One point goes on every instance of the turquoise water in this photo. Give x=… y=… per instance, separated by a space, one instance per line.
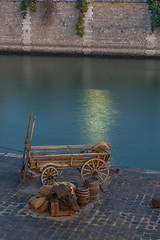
x=83 y=100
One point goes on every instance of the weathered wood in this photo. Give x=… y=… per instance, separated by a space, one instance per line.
x=55 y=212
x=29 y=146
x=63 y=156
x=56 y=151
x=30 y=140
x=61 y=146
x=26 y=143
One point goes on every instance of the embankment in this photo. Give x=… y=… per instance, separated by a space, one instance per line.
x=111 y=27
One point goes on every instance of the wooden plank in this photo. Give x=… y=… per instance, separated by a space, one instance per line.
x=80 y=155
x=26 y=143
x=61 y=146
x=60 y=159
x=58 y=163
x=29 y=146
x=59 y=150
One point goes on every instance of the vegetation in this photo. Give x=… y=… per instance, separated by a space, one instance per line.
x=79 y=26
x=154 y=6
x=82 y=5
x=31 y=4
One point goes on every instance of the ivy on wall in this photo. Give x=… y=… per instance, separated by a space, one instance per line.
x=31 y=4
x=82 y=6
x=154 y=6
x=79 y=26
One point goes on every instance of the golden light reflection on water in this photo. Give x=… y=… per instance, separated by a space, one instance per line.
x=97 y=113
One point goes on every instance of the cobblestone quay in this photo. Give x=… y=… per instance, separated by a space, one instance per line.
x=122 y=212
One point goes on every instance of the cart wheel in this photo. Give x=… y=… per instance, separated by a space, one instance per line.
x=95 y=168
x=49 y=175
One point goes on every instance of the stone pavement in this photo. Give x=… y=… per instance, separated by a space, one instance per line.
x=121 y=213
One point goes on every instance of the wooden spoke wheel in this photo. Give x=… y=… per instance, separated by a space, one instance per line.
x=49 y=175
x=97 y=168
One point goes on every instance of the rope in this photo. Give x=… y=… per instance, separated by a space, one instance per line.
x=1 y=147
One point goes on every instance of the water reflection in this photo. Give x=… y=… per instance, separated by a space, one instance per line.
x=27 y=68
x=151 y=74
x=87 y=77
x=97 y=115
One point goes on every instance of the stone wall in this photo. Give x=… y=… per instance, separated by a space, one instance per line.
x=111 y=27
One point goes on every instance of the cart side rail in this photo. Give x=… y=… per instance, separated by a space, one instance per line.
x=62 y=146
x=62 y=149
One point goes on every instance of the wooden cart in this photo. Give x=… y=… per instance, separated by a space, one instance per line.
x=48 y=161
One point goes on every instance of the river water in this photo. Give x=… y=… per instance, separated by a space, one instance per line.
x=83 y=100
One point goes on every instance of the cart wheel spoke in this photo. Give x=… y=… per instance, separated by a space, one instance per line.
x=84 y=174
x=105 y=174
x=93 y=164
x=49 y=175
x=54 y=175
x=86 y=169
x=97 y=164
x=47 y=170
x=100 y=177
x=45 y=182
x=45 y=174
x=90 y=167
x=103 y=164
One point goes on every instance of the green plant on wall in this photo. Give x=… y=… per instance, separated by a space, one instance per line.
x=154 y=6
x=79 y=26
x=82 y=5
x=31 y=4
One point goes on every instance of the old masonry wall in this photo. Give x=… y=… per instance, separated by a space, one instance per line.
x=111 y=27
